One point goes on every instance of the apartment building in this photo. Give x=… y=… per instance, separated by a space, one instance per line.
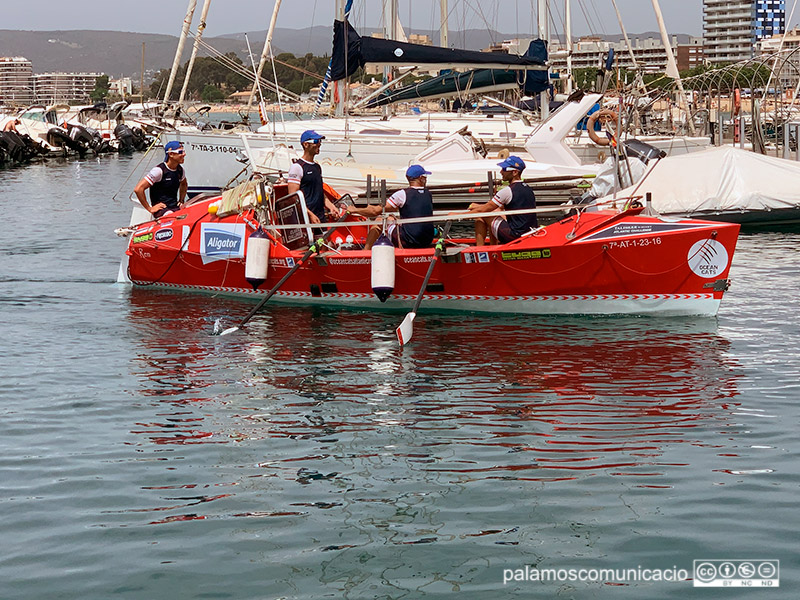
x=731 y=28
x=16 y=83
x=789 y=46
x=650 y=54
x=52 y=88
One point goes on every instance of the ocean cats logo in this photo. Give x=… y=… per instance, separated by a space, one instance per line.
x=707 y=258
x=221 y=241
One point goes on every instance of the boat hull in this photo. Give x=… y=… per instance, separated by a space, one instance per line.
x=602 y=263
x=663 y=305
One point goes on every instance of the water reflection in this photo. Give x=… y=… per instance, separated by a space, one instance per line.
x=334 y=444
x=481 y=397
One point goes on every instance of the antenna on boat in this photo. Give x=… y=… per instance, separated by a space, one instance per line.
x=382 y=196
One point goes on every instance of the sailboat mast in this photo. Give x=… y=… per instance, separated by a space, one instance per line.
x=568 y=43
x=141 y=80
x=265 y=52
x=389 y=33
x=672 y=67
x=443 y=28
x=544 y=34
x=187 y=21
x=341 y=85
x=200 y=28
x=625 y=35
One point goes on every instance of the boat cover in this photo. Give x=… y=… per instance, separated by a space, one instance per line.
x=721 y=179
x=363 y=50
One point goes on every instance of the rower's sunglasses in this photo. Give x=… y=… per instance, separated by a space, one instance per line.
x=181 y=151
x=317 y=142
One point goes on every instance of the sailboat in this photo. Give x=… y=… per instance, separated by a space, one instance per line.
x=388 y=144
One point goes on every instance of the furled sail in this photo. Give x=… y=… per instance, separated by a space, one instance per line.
x=472 y=82
x=351 y=51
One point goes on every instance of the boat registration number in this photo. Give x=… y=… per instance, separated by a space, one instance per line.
x=636 y=243
x=212 y=148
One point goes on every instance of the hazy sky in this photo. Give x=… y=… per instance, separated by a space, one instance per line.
x=233 y=16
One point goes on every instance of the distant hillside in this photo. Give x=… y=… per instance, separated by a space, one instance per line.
x=119 y=53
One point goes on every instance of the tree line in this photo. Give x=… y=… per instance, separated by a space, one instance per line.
x=212 y=81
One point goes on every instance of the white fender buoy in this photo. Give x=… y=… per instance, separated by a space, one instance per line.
x=256 y=262
x=383 y=268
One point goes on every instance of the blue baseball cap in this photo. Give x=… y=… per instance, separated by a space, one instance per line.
x=172 y=146
x=512 y=162
x=310 y=136
x=416 y=171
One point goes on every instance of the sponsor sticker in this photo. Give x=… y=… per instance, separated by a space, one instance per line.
x=143 y=237
x=526 y=254
x=290 y=262
x=162 y=235
x=469 y=257
x=221 y=241
x=483 y=257
x=707 y=258
x=629 y=229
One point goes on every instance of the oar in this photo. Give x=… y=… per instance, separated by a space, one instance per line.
x=315 y=247
x=406 y=328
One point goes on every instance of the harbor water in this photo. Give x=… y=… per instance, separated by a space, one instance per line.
x=308 y=456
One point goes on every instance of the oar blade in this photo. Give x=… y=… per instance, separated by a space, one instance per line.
x=406 y=329
x=230 y=330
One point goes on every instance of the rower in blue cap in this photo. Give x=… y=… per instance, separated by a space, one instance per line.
x=305 y=175
x=166 y=181
x=413 y=201
x=515 y=196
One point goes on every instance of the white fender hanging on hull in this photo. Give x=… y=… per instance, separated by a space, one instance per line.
x=256 y=262
x=383 y=268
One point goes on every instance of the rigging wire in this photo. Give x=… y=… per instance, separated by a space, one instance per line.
x=241 y=70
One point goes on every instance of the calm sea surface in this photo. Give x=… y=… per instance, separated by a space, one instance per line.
x=307 y=457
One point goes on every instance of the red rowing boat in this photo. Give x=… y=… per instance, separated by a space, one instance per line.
x=604 y=262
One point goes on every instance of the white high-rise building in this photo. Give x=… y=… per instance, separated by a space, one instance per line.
x=731 y=28
x=16 y=80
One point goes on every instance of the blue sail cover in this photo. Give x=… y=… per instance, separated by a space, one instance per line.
x=474 y=81
x=351 y=51
x=451 y=84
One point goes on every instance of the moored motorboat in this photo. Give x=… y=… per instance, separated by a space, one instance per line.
x=602 y=262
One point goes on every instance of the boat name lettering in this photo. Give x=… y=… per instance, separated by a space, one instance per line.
x=162 y=235
x=526 y=254
x=210 y=148
x=145 y=237
x=417 y=259
x=635 y=243
x=349 y=261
